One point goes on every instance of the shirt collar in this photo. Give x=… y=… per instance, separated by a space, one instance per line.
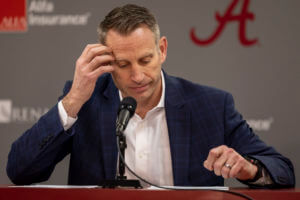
x=161 y=103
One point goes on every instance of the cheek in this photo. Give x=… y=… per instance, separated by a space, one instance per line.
x=114 y=75
x=156 y=66
x=119 y=76
x=118 y=73
x=116 y=78
x=154 y=70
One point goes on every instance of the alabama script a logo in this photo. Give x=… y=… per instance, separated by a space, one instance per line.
x=241 y=18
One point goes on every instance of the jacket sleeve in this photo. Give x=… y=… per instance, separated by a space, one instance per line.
x=240 y=137
x=33 y=156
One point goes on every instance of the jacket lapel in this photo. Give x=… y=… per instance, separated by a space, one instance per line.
x=178 y=120
x=108 y=115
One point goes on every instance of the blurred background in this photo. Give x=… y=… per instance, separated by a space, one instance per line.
x=255 y=56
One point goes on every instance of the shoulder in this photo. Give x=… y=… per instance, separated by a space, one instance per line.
x=191 y=91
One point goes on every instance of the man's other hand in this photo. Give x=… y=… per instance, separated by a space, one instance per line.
x=226 y=162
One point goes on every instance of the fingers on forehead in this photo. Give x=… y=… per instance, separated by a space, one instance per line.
x=88 y=47
x=96 y=48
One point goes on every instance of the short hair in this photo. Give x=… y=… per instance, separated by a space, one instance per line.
x=126 y=19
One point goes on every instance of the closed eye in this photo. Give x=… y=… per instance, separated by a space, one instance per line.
x=122 y=64
x=147 y=59
x=145 y=62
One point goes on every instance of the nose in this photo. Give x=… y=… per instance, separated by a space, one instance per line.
x=137 y=74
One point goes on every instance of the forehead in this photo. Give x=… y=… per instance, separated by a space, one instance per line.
x=141 y=40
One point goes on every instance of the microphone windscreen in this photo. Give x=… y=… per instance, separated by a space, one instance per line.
x=128 y=103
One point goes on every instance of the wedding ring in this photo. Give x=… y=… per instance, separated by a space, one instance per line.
x=228 y=166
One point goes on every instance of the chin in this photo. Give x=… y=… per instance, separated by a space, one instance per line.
x=140 y=98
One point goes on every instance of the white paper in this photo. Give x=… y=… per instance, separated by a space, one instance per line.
x=148 y=188
x=188 y=188
x=55 y=186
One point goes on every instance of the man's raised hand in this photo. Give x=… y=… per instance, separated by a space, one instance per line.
x=95 y=60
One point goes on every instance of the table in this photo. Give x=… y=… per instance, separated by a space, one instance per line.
x=8 y=193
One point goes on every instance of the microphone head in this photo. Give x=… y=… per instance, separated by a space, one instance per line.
x=128 y=103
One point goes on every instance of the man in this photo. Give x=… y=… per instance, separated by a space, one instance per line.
x=181 y=134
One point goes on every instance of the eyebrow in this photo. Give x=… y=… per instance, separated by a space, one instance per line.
x=147 y=55
x=144 y=56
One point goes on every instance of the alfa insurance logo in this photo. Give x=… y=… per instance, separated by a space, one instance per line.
x=15 y=16
x=16 y=114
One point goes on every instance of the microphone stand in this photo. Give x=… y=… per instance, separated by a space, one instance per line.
x=122 y=180
x=122 y=146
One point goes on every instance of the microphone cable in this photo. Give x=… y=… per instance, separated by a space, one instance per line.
x=174 y=188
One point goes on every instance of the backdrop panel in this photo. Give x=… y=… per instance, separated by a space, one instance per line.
x=256 y=58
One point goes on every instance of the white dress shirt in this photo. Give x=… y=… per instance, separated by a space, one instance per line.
x=148 y=147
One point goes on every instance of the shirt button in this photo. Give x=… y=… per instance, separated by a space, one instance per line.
x=140 y=155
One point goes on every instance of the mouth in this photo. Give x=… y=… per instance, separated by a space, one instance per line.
x=140 y=89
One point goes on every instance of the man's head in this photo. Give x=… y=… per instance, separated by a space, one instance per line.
x=133 y=36
x=127 y=18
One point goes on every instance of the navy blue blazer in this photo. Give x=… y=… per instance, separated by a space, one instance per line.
x=199 y=118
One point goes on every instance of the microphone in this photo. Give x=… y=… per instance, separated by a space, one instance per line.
x=125 y=112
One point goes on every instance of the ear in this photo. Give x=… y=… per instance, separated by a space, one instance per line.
x=163 y=46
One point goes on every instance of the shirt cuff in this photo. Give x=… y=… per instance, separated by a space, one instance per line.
x=264 y=180
x=66 y=121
